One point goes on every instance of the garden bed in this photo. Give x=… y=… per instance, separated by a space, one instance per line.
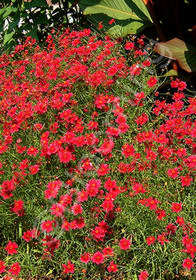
x=97 y=173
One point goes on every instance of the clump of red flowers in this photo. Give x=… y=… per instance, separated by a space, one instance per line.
x=91 y=154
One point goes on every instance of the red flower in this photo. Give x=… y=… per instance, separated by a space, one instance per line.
x=6 y=189
x=161 y=238
x=7 y=278
x=65 y=225
x=143 y=275
x=174 y=83
x=150 y=240
x=100 y=101
x=190 y=249
x=181 y=152
x=173 y=173
x=11 y=248
x=152 y=81
x=76 y=209
x=93 y=186
x=171 y=229
x=50 y=244
x=27 y=235
x=181 y=85
x=64 y=156
x=110 y=184
x=92 y=125
x=180 y=221
x=68 y=268
x=2 y=266
x=112 y=70
x=38 y=126
x=57 y=209
x=191 y=161
x=98 y=258
x=129 y=46
x=100 y=25
x=106 y=147
x=32 y=151
x=178 y=84
x=18 y=207
x=66 y=199
x=34 y=169
x=52 y=189
x=103 y=169
x=160 y=214
x=82 y=196
x=186 y=241
x=108 y=204
x=98 y=233
x=142 y=119
x=47 y=226
x=15 y=269
x=111 y=21
x=176 y=207
x=86 y=165
x=186 y=180
x=152 y=203
x=23 y=164
x=112 y=267
x=138 y=188
x=80 y=223
x=150 y=155
x=3 y=148
x=123 y=127
x=188 y=263
x=128 y=150
x=85 y=258
x=124 y=244
x=108 y=251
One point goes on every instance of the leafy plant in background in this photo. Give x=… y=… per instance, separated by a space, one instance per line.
x=173 y=20
x=35 y=18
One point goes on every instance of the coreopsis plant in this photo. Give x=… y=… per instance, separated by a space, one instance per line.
x=97 y=169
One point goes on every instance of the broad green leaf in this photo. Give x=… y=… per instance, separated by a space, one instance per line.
x=8 y=37
x=2 y=11
x=130 y=16
x=1 y=26
x=8 y=11
x=117 y=9
x=120 y=28
x=13 y=24
x=171 y=73
x=41 y=19
x=35 y=3
x=180 y=51
x=33 y=33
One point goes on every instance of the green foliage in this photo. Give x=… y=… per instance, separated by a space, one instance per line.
x=35 y=19
x=130 y=16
